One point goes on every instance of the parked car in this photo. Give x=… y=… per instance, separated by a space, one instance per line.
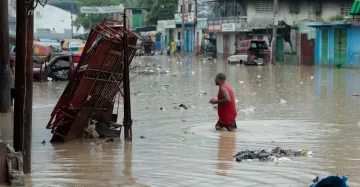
x=248 y=52
x=60 y=66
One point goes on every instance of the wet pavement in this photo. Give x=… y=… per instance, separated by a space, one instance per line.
x=295 y=107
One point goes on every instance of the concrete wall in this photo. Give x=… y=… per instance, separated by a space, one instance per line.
x=329 y=8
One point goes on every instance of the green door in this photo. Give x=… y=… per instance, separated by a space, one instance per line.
x=137 y=19
x=280 y=49
x=325 y=47
x=340 y=47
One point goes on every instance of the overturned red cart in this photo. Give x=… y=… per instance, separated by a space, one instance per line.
x=97 y=80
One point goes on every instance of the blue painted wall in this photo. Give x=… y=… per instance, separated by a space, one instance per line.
x=318 y=43
x=353 y=47
x=331 y=45
x=189 y=39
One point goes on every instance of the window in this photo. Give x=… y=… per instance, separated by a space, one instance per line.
x=258 y=45
x=179 y=36
x=264 y=6
x=260 y=37
x=345 y=8
x=243 y=44
x=189 y=8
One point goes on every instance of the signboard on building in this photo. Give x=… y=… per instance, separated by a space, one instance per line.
x=101 y=10
x=165 y=24
x=215 y=28
x=228 y=27
x=202 y=23
x=188 y=18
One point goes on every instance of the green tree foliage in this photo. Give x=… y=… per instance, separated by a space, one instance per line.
x=84 y=19
x=162 y=10
x=144 y=3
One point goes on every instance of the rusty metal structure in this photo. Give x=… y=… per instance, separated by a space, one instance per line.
x=98 y=78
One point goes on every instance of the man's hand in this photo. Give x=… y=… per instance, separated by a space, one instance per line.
x=213 y=101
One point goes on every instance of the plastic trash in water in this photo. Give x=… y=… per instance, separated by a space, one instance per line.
x=282 y=101
x=311 y=77
x=241 y=82
x=259 y=76
x=236 y=101
x=250 y=109
x=324 y=82
x=301 y=82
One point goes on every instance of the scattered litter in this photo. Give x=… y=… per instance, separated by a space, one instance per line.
x=241 y=82
x=161 y=108
x=236 y=101
x=258 y=76
x=43 y=142
x=355 y=95
x=250 y=109
x=324 y=82
x=301 y=82
x=267 y=155
x=183 y=106
x=311 y=77
x=142 y=137
x=282 y=101
x=167 y=85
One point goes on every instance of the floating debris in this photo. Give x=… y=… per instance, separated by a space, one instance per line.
x=282 y=101
x=250 y=109
x=355 y=95
x=267 y=155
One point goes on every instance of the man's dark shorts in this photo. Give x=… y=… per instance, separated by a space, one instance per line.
x=228 y=127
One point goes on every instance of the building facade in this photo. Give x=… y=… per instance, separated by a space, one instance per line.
x=50 y=22
x=234 y=20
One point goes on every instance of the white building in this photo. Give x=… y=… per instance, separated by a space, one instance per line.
x=49 y=22
x=52 y=18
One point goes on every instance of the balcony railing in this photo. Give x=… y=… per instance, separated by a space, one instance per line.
x=240 y=19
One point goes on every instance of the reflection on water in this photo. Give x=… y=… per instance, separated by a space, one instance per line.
x=181 y=147
x=227 y=148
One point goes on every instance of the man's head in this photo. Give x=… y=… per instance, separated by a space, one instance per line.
x=220 y=78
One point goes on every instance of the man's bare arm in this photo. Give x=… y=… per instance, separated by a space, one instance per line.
x=225 y=95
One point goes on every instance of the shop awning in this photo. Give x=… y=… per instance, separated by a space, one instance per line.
x=355 y=9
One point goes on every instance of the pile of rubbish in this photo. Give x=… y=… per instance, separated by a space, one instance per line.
x=334 y=181
x=269 y=155
x=148 y=69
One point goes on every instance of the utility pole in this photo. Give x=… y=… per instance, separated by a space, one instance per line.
x=126 y=84
x=275 y=23
x=183 y=28
x=24 y=80
x=5 y=75
x=72 y=26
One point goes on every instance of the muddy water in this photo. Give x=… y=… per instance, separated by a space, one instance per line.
x=295 y=107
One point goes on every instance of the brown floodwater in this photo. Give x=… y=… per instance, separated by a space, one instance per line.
x=295 y=107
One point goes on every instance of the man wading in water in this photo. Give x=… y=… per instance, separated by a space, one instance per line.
x=226 y=105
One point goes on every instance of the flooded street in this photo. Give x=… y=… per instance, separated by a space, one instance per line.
x=295 y=108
